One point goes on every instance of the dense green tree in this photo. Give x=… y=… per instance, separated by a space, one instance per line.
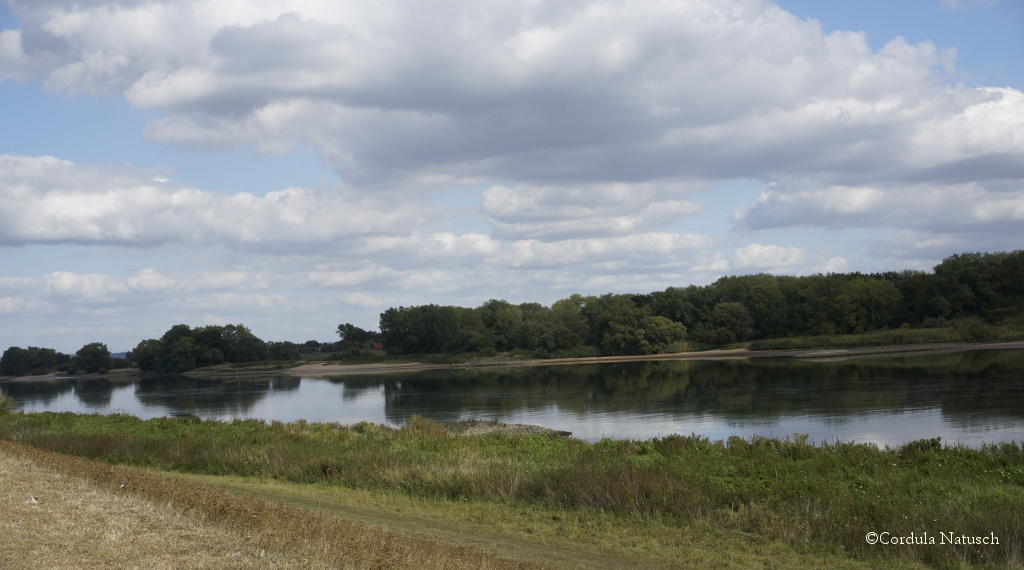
x=653 y=335
x=242 y=345
x=568 y=317
x=181 y=356
x=31 y=360
x=762 y=298
x=601 y=312
x=873 y=302
x=215 y=342
x=182 y=348
x=354 y=337
x=93 y=357
x=675 y=304
x=505 y=323
x=147 y=355
x=433 y=328
x=283 y=350
x=15 y=361
x=175 y=333
x=663 y=333
x=556 y=330
x=730 y=322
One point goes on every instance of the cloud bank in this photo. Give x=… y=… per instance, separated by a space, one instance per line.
x=597 y=134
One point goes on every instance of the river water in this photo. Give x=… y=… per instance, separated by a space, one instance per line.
x=970 y=398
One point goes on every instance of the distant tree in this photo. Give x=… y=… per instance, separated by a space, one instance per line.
x=730 y=322
x=206 y=356
x=675 y=304
x=311 y=346
x=761 y=296
x=601 y=312
x=653 y=335
x=662 y=333
x=174 y=334
x=570 y=322
x=242 y=345
x=146 y=355
x=180 y=356
x=31 y=360
x=15 y=361
x=620 y=338
x=215 y=343
x=432 y=328
x=353 y=337
x=93 y=357
x=871 y=302
x=283 y=350
x=504 y=322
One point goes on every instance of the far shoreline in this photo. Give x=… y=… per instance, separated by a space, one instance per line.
x=327 y=369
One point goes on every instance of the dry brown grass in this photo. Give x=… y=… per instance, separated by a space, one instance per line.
x=295 y=536
x=77 y=524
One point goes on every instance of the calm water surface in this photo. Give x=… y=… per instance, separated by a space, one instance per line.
x=970 y=398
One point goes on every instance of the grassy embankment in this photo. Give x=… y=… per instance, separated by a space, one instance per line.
x=673 y=498
x=964 y=331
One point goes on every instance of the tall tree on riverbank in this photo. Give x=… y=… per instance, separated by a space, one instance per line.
x=91 y=358
x=183 y=348
x=17 y=361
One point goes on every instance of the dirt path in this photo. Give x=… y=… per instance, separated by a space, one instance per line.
x=321 y=369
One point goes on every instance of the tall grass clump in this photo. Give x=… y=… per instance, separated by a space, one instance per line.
x=789 y=489
x=7 y=404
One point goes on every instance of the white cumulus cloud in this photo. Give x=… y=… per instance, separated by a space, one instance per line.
x=48 y=200
x=539 y=92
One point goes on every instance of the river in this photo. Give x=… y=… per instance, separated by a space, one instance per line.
x=970 y=398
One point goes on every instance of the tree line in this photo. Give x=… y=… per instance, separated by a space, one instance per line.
x=976 y=288
x=183 y=348
x=969 y=291
x=91 y=358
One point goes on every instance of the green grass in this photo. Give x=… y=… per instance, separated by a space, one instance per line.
x=561 y=538
x=380 y=356
x=967 y=333
x=812 y=498
x=257 y=366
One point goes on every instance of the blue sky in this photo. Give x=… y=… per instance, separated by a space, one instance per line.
x=293 y=168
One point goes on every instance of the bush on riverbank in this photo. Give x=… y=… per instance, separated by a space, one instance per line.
x=812 y=496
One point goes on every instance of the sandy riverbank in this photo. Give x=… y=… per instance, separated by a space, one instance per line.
x=325 y=369
x=116 y=375
x=320 y=369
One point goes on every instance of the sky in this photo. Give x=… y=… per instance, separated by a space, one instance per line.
x=295 y=165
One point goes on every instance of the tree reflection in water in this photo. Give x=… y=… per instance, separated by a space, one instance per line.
x=971 y=391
